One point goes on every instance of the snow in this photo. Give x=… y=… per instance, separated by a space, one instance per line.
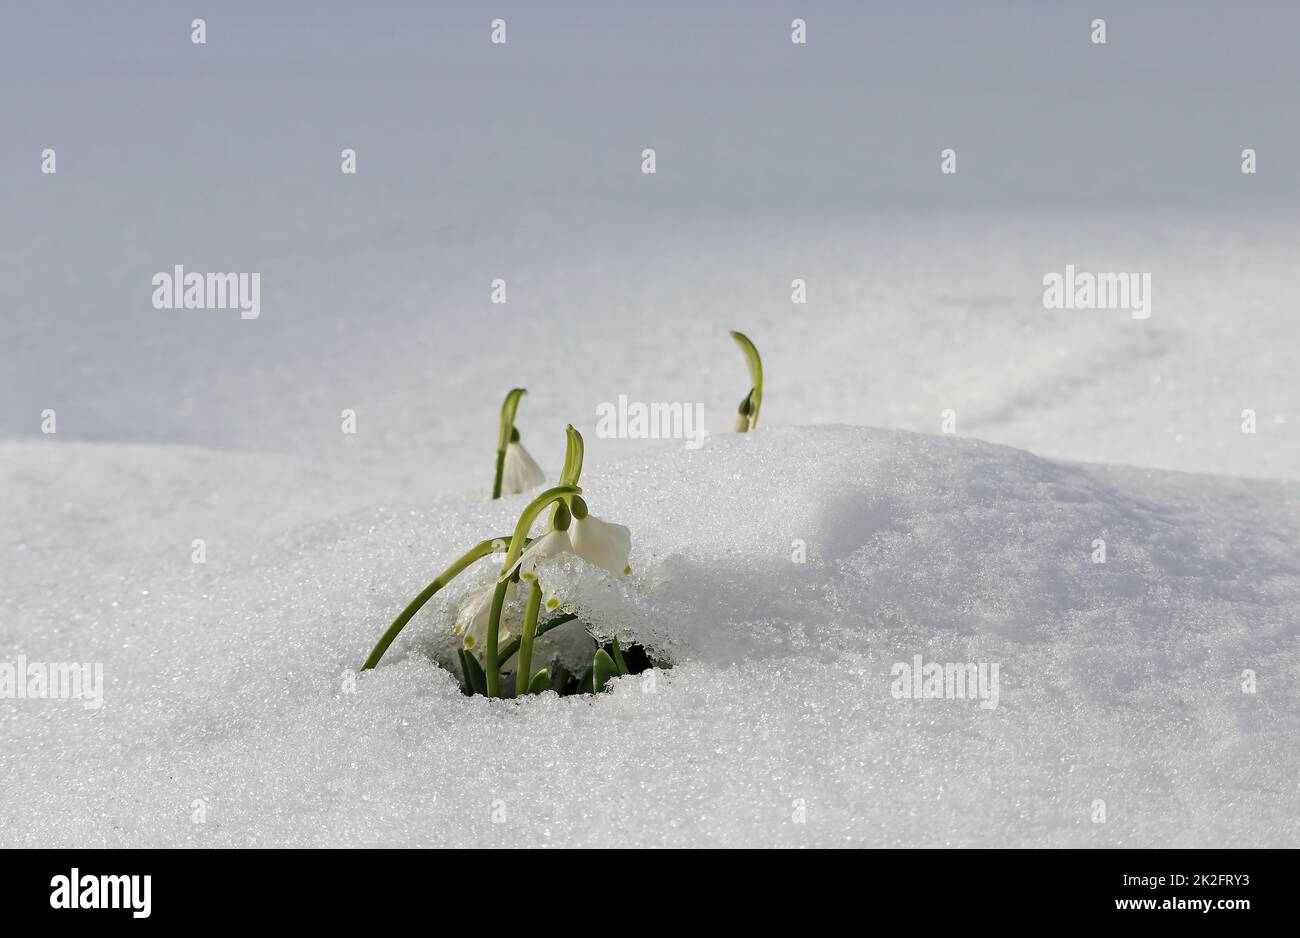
x=227 y=682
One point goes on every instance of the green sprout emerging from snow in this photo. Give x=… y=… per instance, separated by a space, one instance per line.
x=482 y=620
x=491 y=630
x=747 y=413
x=517 y=471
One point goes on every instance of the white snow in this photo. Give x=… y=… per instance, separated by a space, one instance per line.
x=226 y=682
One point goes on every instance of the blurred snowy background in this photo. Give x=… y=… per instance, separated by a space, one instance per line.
x=774 y=161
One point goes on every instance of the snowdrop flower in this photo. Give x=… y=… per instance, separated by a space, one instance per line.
x=551 y=544
x=473 y=615
x=521 y=471
x=602 y=543
x=741 y=425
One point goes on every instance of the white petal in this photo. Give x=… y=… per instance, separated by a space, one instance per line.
x=475 y=614
x=551 y=544
x=469 y=609
x=550 y=599
x=602 y=543
x=521 y=471
x=741 y=425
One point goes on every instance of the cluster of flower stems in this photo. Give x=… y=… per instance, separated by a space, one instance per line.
x=604 y=544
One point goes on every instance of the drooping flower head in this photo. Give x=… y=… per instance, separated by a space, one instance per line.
x=516 y=471
x=474 y=614
x=520 y=473
x=602 y=543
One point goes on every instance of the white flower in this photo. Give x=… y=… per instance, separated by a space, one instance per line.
x=602 y=543
x=475 y=614
x=741 y=425
x=551 y=544
x=521 y=471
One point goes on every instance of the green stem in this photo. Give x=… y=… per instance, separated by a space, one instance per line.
x=755 y=364
x=512 y=646
x=476 y=552
x=527 y=518
x=524 y=669
x=491 y=668
x=573 y=453
x=491 y=664
x=505 y=428
x=501 y=466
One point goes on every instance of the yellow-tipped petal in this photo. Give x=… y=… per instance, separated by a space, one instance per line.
x=602 y=543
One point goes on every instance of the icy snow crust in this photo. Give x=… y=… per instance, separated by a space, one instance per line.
x=226 y=682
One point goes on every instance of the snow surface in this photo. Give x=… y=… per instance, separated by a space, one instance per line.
x=226 y=681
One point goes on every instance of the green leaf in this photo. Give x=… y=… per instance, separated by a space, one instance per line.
x=477 y=552
x=618 y=657
x=474 y=676
x=602 y=669
x=541 y=681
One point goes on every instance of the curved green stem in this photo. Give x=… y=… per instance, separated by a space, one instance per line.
x=524 y=669
x=491 y=663
x=476 y=552
x=569 y=475
x=573 y=453
x=506 y=427
x=574 y=450
x=527 y=518
x=755 y=364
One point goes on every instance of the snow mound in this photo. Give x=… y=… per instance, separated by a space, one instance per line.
x=785 y=573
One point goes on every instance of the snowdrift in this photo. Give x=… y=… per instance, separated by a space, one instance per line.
x=787 y=574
